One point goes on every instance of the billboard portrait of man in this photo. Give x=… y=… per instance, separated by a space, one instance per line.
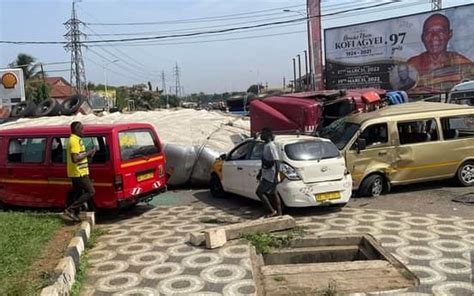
x=402 y=77
x=435 y=37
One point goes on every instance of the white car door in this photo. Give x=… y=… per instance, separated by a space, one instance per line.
x=250 y=168
x=231 y=169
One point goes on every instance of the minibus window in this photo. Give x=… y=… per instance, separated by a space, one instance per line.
x=59 y=149
x=376 y=134
x=137 y=144
x=340 y=132
x=420 y=131
x=457 y=127
x=26 y=150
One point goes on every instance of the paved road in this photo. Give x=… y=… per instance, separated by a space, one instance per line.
x=145 y=252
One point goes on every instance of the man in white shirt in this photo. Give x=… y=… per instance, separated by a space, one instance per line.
x=268 y=176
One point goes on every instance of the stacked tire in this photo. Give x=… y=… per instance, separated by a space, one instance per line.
x=48 y=107
x=72 y=104
x=23 y=109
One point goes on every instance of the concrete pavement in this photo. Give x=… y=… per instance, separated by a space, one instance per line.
x=147 y=253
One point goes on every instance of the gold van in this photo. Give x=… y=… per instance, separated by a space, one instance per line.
x=405 y=144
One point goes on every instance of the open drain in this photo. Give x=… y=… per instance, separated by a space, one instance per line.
x=343 y=264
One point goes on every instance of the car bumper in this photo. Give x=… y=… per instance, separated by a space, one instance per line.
x=300 y=194
x=147 y=197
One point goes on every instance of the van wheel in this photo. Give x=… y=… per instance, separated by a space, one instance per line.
x=215 y=186
x=465 y=174
x=372 y=186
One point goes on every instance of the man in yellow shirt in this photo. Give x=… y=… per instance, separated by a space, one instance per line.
x=78 y=171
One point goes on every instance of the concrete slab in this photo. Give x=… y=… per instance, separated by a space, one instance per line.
x=215 y=238
x=237 y=230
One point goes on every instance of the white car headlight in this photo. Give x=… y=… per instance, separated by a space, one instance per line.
x=289 y=172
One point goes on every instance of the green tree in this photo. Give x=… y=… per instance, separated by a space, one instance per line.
x=28 y=64
x=35 y=88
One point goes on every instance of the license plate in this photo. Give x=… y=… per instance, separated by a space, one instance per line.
x=144 y=177
x=328 y=196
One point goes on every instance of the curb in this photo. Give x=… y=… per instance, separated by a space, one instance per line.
x=65 y=271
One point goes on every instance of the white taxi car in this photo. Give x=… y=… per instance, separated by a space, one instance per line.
x=312 y=172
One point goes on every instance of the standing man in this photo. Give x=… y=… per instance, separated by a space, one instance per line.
x=268 y=176
x=78 y=171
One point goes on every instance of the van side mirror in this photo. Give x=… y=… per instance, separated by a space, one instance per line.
x=223 y=156
x=361 y=144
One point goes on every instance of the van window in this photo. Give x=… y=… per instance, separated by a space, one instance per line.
x=458 y=127
x=376 y=134
x=59 y=149
x=137 y=143
x=417 y=131
x=311 y=150
x=340 y=132
x=26 y=150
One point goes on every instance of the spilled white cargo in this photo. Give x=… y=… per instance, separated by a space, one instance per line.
x=193 y=139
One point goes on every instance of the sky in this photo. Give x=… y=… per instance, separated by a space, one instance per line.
x=232 y=63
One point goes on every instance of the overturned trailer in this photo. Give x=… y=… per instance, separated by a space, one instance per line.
x=310 y=111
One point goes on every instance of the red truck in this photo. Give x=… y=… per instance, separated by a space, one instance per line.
x=310 y=111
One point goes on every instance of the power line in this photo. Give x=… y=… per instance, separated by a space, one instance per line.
x=196 y=37
x=193 y=20
x=62 y=70
x=187 y=30
x=203 y=41
x=118 y=50
x=115 y=72
x=194 y=29
x=118 y=65
x=205 y=32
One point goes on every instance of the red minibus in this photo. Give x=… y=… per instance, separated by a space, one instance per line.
x=128 y=167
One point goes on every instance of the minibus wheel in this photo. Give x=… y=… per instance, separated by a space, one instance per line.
x=215 y=186
x=372 y=186
x=465 y=174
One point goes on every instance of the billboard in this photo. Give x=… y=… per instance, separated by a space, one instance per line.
x=422 y=53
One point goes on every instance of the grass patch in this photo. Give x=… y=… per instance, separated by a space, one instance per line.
x=265 y=242
x=212 y=221
x=84 y=264
x=330 y=290
x=23 y=236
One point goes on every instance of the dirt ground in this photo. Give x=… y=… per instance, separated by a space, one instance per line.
x=42 y=270
x=424 y=198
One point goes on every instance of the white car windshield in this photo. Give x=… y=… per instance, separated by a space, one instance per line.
x=311 y=150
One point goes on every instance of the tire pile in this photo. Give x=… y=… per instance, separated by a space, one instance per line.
x=49 y=107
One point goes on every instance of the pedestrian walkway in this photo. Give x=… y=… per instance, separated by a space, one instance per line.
x=149 y=254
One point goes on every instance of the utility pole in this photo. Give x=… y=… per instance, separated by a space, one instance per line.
x=177 y=80
x=294 y=75
x=436 y=5
x=163 y=86
x=299 y=71
x=78 y=73
x=284 y=83
x=306 y=70
x=315 y=51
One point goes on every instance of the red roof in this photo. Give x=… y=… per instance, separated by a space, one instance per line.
x=60 y=88
x=65 y=129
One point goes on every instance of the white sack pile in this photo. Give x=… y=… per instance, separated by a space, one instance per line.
x=193 y=139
